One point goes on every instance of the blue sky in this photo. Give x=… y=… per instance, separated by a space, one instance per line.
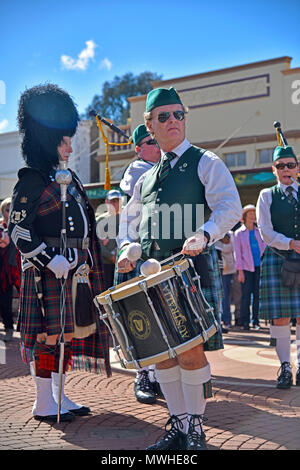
x=81 y=44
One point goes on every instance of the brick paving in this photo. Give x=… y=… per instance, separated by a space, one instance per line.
x=246 y=412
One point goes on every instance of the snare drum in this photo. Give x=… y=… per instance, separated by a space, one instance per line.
x=157 y=317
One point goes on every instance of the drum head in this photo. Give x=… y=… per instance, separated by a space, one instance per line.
x=131 y=287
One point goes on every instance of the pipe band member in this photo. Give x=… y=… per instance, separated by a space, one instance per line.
x=185 y=175
x=278 y=217
x=47 y=119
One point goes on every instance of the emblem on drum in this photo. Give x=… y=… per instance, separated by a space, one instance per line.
x=139 y=324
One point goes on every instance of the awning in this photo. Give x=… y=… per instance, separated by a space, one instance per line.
x=100 y=193
x=247 y=179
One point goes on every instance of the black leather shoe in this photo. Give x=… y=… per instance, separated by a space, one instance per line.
x=143 y=388
x=195 y=439
x=53 y=418
x=298 y=377
x=174 y=439
x=157 y=390
x=82 y=411
x=285 y=379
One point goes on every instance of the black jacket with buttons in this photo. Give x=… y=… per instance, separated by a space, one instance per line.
x=36 y=214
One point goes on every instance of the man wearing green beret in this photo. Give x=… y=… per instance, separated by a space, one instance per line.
x=148 y=154
x=189 y=177
x=278 y=217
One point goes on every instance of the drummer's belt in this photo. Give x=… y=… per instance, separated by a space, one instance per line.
x=80 y=243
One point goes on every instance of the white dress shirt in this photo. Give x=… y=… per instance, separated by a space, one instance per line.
x=220 y=192
x=132 y=174
x=264 y=222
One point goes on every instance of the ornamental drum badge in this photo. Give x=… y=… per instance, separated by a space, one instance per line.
x=139 y=324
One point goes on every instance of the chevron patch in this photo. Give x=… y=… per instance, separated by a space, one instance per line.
x=22 y=233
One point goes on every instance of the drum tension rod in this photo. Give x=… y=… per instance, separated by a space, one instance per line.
x=172 y=352
x=209 y=308
x=178 y=272
x=115 y=316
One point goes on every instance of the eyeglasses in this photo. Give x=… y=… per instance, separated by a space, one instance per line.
x=163 y=117
x=149 y=142
x=290 y=165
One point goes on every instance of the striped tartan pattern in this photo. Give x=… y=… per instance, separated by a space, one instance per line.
x=166 y=166
x=88 y=354
x=275 y=300
x=214 y=296
x=290 y=195
x=50 y=199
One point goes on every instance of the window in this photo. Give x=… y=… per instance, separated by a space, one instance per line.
x=235 y=159
x=265 y=155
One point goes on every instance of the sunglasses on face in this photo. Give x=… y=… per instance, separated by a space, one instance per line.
x=290 y=165
x=149 y=142
x=163 y=117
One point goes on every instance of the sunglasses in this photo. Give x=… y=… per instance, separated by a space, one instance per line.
x=149 y=142
x=290 y=165
x=163 y=117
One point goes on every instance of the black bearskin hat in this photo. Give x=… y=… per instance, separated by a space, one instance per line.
x=46 y=114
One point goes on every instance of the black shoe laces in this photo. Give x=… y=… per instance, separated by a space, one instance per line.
x=193 y=434
x=144 y=381
x=284 y=371
x=175 y=424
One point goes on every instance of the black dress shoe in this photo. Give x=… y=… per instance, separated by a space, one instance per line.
x=195 y=436
x=157 y=390
x=174 y=439
x=143 y=388
x=285 y=379
x=82 y=411
x=53 y=418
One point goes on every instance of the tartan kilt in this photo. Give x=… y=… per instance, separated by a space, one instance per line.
x=275 y=300
x=89 y=354
x=213 y=294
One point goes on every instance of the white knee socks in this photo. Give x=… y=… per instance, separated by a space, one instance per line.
x=183 y=390
x=282 y=334
x=170 y=383
x=193 y=390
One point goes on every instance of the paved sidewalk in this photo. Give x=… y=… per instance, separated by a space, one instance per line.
x=247 y=412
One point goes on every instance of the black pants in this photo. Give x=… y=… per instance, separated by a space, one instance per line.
x=6 y=308
x=250 y=286
x=108 y=275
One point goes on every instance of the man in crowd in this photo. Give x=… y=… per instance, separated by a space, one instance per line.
x=146 y=388
x=47 y=119
x=186 y=175
x=107 y=230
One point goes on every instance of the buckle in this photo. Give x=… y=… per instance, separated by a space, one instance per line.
x=85 y=243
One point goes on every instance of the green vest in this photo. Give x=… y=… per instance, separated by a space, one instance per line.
x=285 y=216
x=173 y=209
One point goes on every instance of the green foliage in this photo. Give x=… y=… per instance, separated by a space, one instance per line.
x=113 y=102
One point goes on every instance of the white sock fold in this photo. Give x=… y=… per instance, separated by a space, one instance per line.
x=170 y=383
x=193 y=390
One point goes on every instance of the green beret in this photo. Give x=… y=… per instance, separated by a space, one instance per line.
x=139 y=134
x=283 y=152
x=161 y=97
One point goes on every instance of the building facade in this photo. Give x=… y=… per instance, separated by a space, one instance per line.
x=231 y=112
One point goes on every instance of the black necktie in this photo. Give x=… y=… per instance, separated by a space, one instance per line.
x=166 y=165
x=290 y=196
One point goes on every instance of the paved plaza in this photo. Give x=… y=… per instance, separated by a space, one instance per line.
x=246 y=412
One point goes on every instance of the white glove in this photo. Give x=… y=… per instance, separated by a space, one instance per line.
x=60 y=266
